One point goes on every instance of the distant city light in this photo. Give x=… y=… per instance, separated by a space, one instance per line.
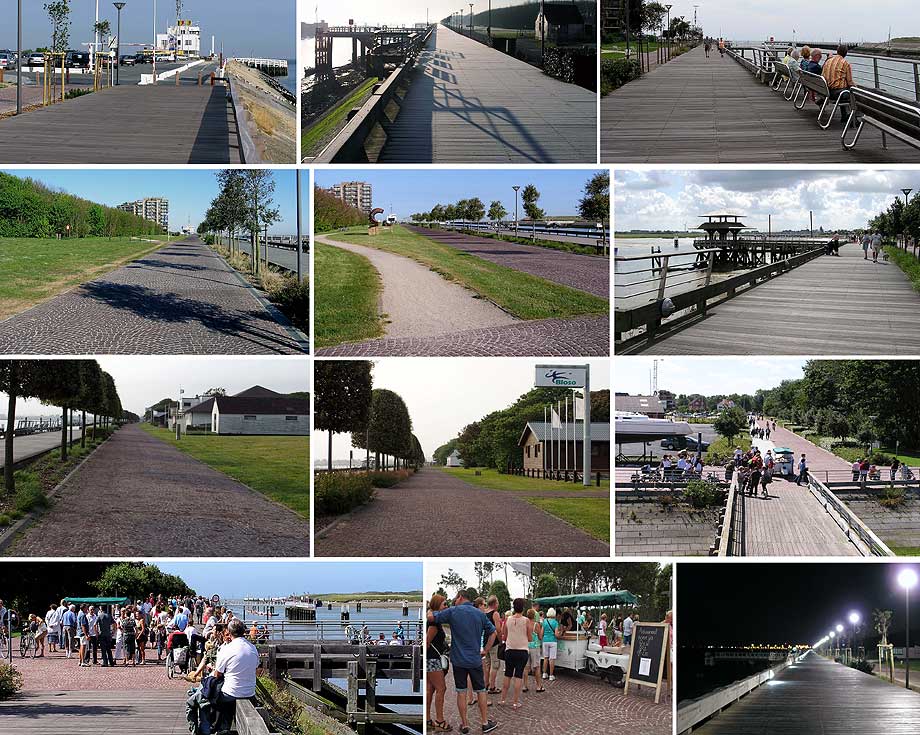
x=839 y=628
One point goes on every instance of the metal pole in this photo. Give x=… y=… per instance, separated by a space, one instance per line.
x=19 y=58
x=154 y=41
x=299 y=233
x=516 y=188
x=907 y=641
x=586 y=439
x=543 y=32
x=119 y=6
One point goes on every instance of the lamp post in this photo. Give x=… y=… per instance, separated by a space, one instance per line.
x=118 y=6
x=19 y=59
x=906 y=193
x=154 y=41
x=299 y=233
x=830 y=637
x=908 y=580
x=178 y=413
x=490 y=23
x=854 y=621
x=516 y=188
x=668 y=8
x=471 y=20
x=839 y=629
x=543 y=31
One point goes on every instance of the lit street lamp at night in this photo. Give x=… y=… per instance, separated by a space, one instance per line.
x=907 y=578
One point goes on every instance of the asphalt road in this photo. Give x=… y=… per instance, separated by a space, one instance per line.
x=654 y=448
x=29 y=446
x=281 y=257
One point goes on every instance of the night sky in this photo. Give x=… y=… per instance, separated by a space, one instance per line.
x=738 y=603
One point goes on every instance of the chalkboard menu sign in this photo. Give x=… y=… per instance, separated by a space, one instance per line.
x=647 y=656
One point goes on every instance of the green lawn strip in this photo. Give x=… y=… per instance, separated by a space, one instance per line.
x=494 y=480
x=907 y=263
x=521 y=294
x=366 y=596
x=32 y=270
x=347 y=292
x=523 y=239
x=591 y=515
x=905 y=550
x=318 y=132
x=276 y=466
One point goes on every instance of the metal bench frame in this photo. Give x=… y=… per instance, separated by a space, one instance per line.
x=780 y=72
x=859 y=109
x=809 y=82
x=795 y=76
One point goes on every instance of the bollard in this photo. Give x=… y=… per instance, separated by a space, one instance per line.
x=199 y=78
x=177 y=79
x=213 y=77
x=1 y=76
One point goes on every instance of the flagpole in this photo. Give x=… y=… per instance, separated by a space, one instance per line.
x=566 y=429
x=543 y=443
x=559 y=435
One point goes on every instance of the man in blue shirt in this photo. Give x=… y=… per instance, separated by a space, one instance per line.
x=469 y=627
x=180 y=622
x=69 y=628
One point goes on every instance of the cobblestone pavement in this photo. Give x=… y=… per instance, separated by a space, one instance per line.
x=585 y=336
x=582 y=272
x=138 y=496
x=573 y=704
x=435 y=514
x=181 y=299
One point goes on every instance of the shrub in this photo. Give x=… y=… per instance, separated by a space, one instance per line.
x=10 y=681
x=573 y=65
x=29 y=495
x=891 y=497
x=337 y=492
x=5 y=520
x=388 y=479
x=862 y=665
x=702 y=494
x=617 y=72
x=294 y=300
x=76 y=92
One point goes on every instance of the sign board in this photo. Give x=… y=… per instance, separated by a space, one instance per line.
x=215 y=599
x=561 y=376
x=648 y=656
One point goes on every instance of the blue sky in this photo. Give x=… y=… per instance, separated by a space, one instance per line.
x=247 y=28
x=706 y=375
x=417 y=190
x=189 y=191
x=276 y=578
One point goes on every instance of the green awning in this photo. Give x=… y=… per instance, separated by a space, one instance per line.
x=590 y=599
x=97 y=600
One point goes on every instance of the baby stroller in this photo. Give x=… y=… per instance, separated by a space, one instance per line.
x=178 y=655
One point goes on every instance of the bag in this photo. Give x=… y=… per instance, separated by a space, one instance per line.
x=445 y=658
x=501 y=651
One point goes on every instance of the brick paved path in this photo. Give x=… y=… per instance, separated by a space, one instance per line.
x=55 y=672
x=574 y=704
x=584 y=336
x=435 y=514
x=138 y=496
x=582 y=272
x=181 y=299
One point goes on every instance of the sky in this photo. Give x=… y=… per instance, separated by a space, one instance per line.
x=707 y=375
x=145 y=380
x=277 y=578
x=794 y=603
x=190 y=191
x=246 y=28
x=445 y=394
x=434 y=568
x=406 y=12
x=671 y=200
x=849 y=20
x=407 y=191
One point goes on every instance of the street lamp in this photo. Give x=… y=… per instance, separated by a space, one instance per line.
x=668 y=8
x=515 y=209
x=299 y=233
x=907 y=578
x=906 y=193
x=118 y=6
x=471 y=20
x=854 y=620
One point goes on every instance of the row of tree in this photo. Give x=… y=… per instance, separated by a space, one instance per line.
x=898 y=220
x=72 y=385
x=593 y=206
x=493 y=440
x=331 y=213
x=377 y=419
x=245 y=203
x=28 y=208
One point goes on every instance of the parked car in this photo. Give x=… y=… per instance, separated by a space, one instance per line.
x=76 y=60
x=7 y=60
x=683 y=442
x=128 y=60
x=35 y=59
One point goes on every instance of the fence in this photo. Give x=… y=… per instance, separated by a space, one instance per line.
x=573 y=476
x=856 y=531
x=730 y=536
x=283 y=630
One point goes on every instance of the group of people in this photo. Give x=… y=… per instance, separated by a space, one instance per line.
x=836 y=71
x=864 y=470
x=754 y=469
x=525 y=640
x=871 y=241
x=707 y=46
x=685 y=466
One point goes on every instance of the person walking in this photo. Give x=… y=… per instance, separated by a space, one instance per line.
x=866 y=240
x=518 y=632
x=129 y=631
x=83 y=635
x=104 y=622
x=52 y=620
x=437 y=662
x=535 y=650
x=803 y=471
x=550 y=644
x=876 y=245
x=92 y=620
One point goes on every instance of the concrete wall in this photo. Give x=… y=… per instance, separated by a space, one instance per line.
x=262 y=425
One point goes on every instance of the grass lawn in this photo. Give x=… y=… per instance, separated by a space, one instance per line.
x=350 y=596
x=317 y=134
x=524 y=295
x=276 y=466
x=33 y=270
x=907 y=263
x=347 y=291
x=905 y=550
x=591 y=515
x=494 y=480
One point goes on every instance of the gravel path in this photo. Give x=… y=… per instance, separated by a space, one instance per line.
x=435 y=514
x=417 y=302
x=585 y=336
x=138 y=496
x=582 y=272
x=182 y=299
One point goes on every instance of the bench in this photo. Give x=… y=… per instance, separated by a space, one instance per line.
x=892 y=116
x=795 y=78
x=780 y=72
x=763 y=65
x=809 y=82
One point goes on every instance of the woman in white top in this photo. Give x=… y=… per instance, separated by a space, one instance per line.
x=53 y=621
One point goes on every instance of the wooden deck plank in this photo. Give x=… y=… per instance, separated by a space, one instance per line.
x=468 y=103
x=127 y=124
x=699 y=110
x=828 y=306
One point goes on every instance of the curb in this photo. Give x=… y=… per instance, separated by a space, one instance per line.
x=302 y=340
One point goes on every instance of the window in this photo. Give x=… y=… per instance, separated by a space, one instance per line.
x=291 y=418
x=527 y=451
x=536 y=450
x=249 y=418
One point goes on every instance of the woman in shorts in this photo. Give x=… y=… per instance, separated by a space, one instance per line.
x=435 y=658
x=534 y=650
x=550 y=626
x=517 y=633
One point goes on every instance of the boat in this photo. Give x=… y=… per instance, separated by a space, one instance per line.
x=635 y=428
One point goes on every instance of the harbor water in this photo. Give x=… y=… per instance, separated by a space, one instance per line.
x=697 y=678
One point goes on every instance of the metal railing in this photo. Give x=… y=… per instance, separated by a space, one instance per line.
x=333 y=630
x=856 y=531
x=526 y=229
x=731 y=531
x=663 y=278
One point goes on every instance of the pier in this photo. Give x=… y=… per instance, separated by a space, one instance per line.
x=272 y=67
x=698 y=110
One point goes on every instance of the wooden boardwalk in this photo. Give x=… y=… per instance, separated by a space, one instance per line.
x=468 y=103
x=103 y=712
x=819 y=697
x=127 y=124
x=699 y=110
x=828 y=306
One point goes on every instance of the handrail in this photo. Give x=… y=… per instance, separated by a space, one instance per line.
x=626 y=258
x=865 y=540
x=731 y=539
x=248 y=151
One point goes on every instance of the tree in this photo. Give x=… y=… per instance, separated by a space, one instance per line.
x=546 y=585
x=653 y=15
x=500 y=590
x=96 y=221
x=259 y=184
x=451 y=580
x=730 y=423
x=529 y=198
x=594 y=205
x=389 y=427
x=230 y=210
x=342 y=397
x=137 y=580
x=216 y=392
x=882 y=620
x=474 y=209
x=59 y=14
x=497 y=212
x=444 y=451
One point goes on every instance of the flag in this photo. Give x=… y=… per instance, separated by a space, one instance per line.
x=555 y=421
x=579 y=406
x=521 y=567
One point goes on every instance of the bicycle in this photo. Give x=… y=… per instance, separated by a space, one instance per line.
x=27 y=642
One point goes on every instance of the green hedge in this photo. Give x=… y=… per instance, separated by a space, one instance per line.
x=617 y=72
x=389 y=479
x=337 y=493
x=331 y=213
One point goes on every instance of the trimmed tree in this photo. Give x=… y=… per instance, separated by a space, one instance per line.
x=497 y=213
x=730 y=423
x=342 y=397
x=529 y=197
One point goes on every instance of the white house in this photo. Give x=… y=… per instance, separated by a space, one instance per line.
x=563 y=22
x=184 y=39
x=260 y=415
x=453 y=459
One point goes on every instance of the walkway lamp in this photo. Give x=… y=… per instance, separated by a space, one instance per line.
x=299 y=232
x=668 y=8
x=118 y=6
x=471 y=20
x=516 y=188
x=854 y=621
x=19 y=59
x=906 y=193
x=907 y=578
x=490 y=23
